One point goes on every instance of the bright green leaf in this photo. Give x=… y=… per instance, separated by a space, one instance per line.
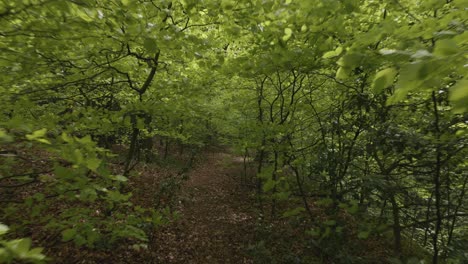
x=37 y=134
x=23 y=246
x=93 y=163
x=342 y=73
x=3 y=229
x=66 y=137
x=36 y=254
x=458 y=96
x=445 y=47
x=120 y=178
x=384 y=79
x=333 y=53
x=287 y=34
x=43 y=140
x=85 y=140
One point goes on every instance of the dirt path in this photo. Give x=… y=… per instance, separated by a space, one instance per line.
x=216 y=225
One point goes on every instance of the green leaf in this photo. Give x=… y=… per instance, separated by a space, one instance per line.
x=86 y=140
x=39 y=197
x=68 y=234
x=350 y=60
x=37 y=134
x=150 y=45
x=458 y=96
x=66 y=137
x=84 y=15
x=43 y=140
x=342 y=73
x=333 y=53
x=88 y=194
x=36 y=254
x=118 y=197
x=282 y=196
x=411 y=78
x=287 y=34
x=383 y=79
x=326 y=233
x=228 y=4
x=363 y=234
x=461 y=3
x=4 y=137
x=354 y=208
x=269 y=185
x=445 y=47
x=91 y=237
x=77 y=156
x=120 y=178
x=93 y=163
x=79 y=240
x=64 y=173
x=3 y=229
x=23 y=246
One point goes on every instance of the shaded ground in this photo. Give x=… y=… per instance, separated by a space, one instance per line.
x=216 y=224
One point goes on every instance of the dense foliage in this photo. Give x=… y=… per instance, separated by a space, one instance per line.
x=353 y=111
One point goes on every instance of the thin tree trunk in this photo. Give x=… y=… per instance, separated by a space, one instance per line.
x=460 y=202
x=396 y=226
x=437 y=185
x=301 y=191
x=274 y=177
x=132 y=151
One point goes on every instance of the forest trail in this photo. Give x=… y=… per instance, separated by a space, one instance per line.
x=216 y=224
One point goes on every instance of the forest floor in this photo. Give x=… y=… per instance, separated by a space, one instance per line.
x=216 y=220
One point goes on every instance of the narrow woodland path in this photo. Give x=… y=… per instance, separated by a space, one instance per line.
x=215 y=224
